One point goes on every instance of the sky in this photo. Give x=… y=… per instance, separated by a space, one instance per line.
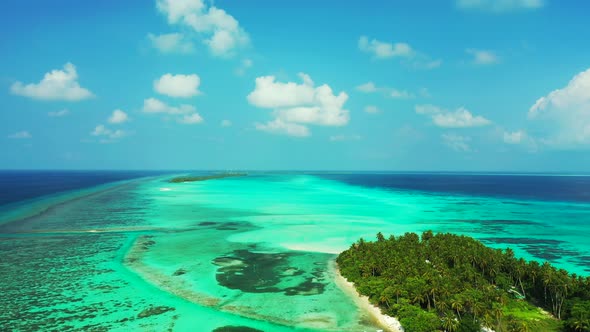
x=405 y=85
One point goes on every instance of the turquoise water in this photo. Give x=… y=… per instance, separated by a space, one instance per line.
x=253 y=251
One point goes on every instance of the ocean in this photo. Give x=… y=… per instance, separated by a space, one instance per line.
x=130 y=250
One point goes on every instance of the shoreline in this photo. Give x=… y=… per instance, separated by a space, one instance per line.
x=388 y=323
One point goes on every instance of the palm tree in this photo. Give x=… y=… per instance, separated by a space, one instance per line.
x=383 y=298
x=498 y=313
x=478 y=308
x=442 y=306
x=523 y=327
x=487 y=320
x=450 y=323
x=457 y=304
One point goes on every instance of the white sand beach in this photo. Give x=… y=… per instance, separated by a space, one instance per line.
x=388 y=323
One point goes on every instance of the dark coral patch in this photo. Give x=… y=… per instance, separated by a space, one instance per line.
x=179 y=272
x=154 y=310
x=230 y=328
x=256 y=272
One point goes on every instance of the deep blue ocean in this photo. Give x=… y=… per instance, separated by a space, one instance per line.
x=17 y=186
x=566 y=188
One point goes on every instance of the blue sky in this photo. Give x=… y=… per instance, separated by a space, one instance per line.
x=463 y=85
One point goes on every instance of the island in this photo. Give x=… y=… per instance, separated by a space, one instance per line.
x=447 y=282
x=189 y=178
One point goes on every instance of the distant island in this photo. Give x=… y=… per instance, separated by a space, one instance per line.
x=447 y=282
x=189 y=178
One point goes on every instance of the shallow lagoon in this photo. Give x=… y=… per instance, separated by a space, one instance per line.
x=253 y=251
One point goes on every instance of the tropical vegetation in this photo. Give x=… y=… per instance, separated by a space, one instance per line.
x=447 y=282
x=190 y=178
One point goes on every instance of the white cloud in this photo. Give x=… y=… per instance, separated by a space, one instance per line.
x=371 y=109
x=344 y=138
x=226 y=123
x=55 y=85
x=118 y=116
x=302 y=103
x=278 y=126
x=221 y=32
x=368 y=87
x=328 y=113
x=191 y=119
x=271 y=94
x=245 y=64
x=384 y=50
x=519 y=138
x=516 y=137
x=109 y=134
x=483 y=57
x=498 y=6
x=21 y=135
x=59 y=113
x=172 y=43
x=457 y=142
x=564 y=114
x=153 y=105
x=400 y=94
x=460 y=118
x=186 y=114
x=178 y=86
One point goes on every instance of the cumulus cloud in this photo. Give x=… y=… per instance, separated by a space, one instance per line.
x=172 y=43
x=55 y=85
x=271 y=94
x=191 y=119
x=519 y=138
x=457 y=142
x=108 y=135
x=21 y=135
x=371 y=109
x=153 y=105
x=220 y=31
x=515 y=137
x=178 y=86
x=498 y=6
x=59 y=113
x=460 y=118
x=299 y=103
x=226 y=123
x=370 y=87
x=563 y=115
x=278 y=126
x=483 y=57
x=400 y=94
x=184 y=113
x=118 y=117
x=384 y=50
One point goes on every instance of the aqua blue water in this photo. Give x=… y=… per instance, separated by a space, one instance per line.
x=255 y=251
